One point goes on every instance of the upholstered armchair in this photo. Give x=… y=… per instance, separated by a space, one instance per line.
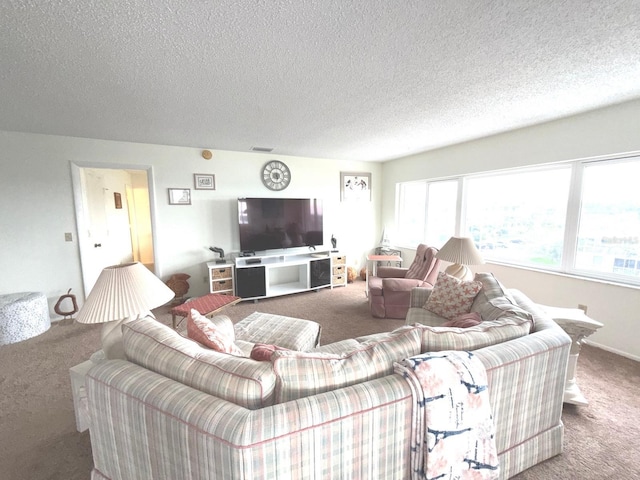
x=390 y=290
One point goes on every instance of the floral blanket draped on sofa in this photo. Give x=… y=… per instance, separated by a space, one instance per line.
x=453 y=426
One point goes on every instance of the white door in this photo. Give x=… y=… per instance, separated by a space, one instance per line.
x=94 y=239
x=107 y=220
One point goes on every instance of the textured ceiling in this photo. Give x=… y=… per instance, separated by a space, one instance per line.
x=368 y=80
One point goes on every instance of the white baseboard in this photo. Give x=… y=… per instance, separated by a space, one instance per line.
x=612 y=350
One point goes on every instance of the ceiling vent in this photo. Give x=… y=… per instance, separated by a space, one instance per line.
x=262 y=149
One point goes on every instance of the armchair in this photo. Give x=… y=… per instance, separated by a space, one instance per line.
x=390 y=290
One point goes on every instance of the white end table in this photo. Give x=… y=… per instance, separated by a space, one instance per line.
x=77 y=374
x=375 y=259
x=578 y=326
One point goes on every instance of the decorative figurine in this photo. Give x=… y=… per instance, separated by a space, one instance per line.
x=71 y=312
x=219 y=251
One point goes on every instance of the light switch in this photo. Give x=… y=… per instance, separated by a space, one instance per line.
x=68 y=237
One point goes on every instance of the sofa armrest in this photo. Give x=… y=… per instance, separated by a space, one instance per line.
x=400 y=284
x=391 y=272
x=179 y=432
x=526 y=378
x=419 y=296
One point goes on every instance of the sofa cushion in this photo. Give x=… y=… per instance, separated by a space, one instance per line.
x=262 y=352
x=451 y=296
x=215 y=333
x=508 y=327
x=301 y=374
x=465 y=320
x=494 y=301
x=161 y=349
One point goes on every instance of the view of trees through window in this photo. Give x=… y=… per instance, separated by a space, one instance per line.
x=579 y=217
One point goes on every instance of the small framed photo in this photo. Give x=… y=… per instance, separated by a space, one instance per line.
x=117 y=199
x=179 y=196
x=204 y=181
x=355 y=186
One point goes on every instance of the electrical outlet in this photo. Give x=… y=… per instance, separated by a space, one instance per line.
x=583 y=308
x=68 y=237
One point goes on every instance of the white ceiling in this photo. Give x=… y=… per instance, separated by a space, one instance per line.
x=359 y=80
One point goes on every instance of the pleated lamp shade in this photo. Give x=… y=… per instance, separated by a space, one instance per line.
x=460 y=251
x=123 y=292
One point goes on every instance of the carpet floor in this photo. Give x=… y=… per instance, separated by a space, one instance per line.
x=38 y=439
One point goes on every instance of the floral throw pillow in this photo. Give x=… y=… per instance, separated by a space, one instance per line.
x=216 y=333
x=452 y=297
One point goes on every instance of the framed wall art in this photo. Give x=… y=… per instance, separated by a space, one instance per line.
x=179 y=196
x=355 y=186
x=117 y=199
x=204 y=181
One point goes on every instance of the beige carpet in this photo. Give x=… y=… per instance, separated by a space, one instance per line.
x=38 y=439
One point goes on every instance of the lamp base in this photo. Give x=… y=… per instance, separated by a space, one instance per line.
x=111 y=336
x=461 y=272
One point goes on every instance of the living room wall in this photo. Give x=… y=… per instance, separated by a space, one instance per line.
x=38 y=206
x=607 y=131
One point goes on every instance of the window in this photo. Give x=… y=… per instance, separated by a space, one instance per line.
x=441 y=211
x=427 y=212
x=580 y=217
x=608 y=240
x=411 y=212
x=519 y=217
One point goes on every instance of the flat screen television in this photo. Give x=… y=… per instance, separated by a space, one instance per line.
x=275 y=223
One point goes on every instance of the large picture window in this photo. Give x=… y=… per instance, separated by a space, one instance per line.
x=580 y=217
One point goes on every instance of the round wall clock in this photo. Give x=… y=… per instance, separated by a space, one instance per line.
x=276 y=175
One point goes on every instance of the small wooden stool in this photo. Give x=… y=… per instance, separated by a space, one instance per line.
x=210 y=303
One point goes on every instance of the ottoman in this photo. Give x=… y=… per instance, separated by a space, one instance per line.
x=22 y=316
x=287 y=332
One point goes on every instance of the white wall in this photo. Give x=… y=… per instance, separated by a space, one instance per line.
x=607 y=131
x=37 y=206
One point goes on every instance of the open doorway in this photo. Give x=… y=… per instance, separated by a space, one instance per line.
x=114 y=218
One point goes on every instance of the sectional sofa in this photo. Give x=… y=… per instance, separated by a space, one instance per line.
x=347 y=410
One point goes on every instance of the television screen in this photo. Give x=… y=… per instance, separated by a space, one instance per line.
x=274 y=223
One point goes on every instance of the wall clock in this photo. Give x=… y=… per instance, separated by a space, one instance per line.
x=276 y=175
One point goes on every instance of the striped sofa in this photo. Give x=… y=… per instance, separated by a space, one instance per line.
x=176 y=411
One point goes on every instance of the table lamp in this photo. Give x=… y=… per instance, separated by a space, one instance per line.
x=460 y=251
x=121 y=293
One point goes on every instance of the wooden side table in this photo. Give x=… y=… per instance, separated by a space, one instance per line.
x=578 y=326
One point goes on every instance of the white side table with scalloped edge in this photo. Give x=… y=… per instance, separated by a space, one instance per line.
x=578 y=326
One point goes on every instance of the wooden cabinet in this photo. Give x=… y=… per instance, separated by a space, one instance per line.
x=338 y=270
x=221 y=278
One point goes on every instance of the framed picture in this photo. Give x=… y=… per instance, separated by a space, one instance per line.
x=355 y=186
x=179 y=196
x=204 y=181
x=117 y=198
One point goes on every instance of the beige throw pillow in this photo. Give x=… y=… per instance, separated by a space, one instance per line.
x=452 y=297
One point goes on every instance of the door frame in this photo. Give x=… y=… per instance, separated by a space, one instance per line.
x=81 y=224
